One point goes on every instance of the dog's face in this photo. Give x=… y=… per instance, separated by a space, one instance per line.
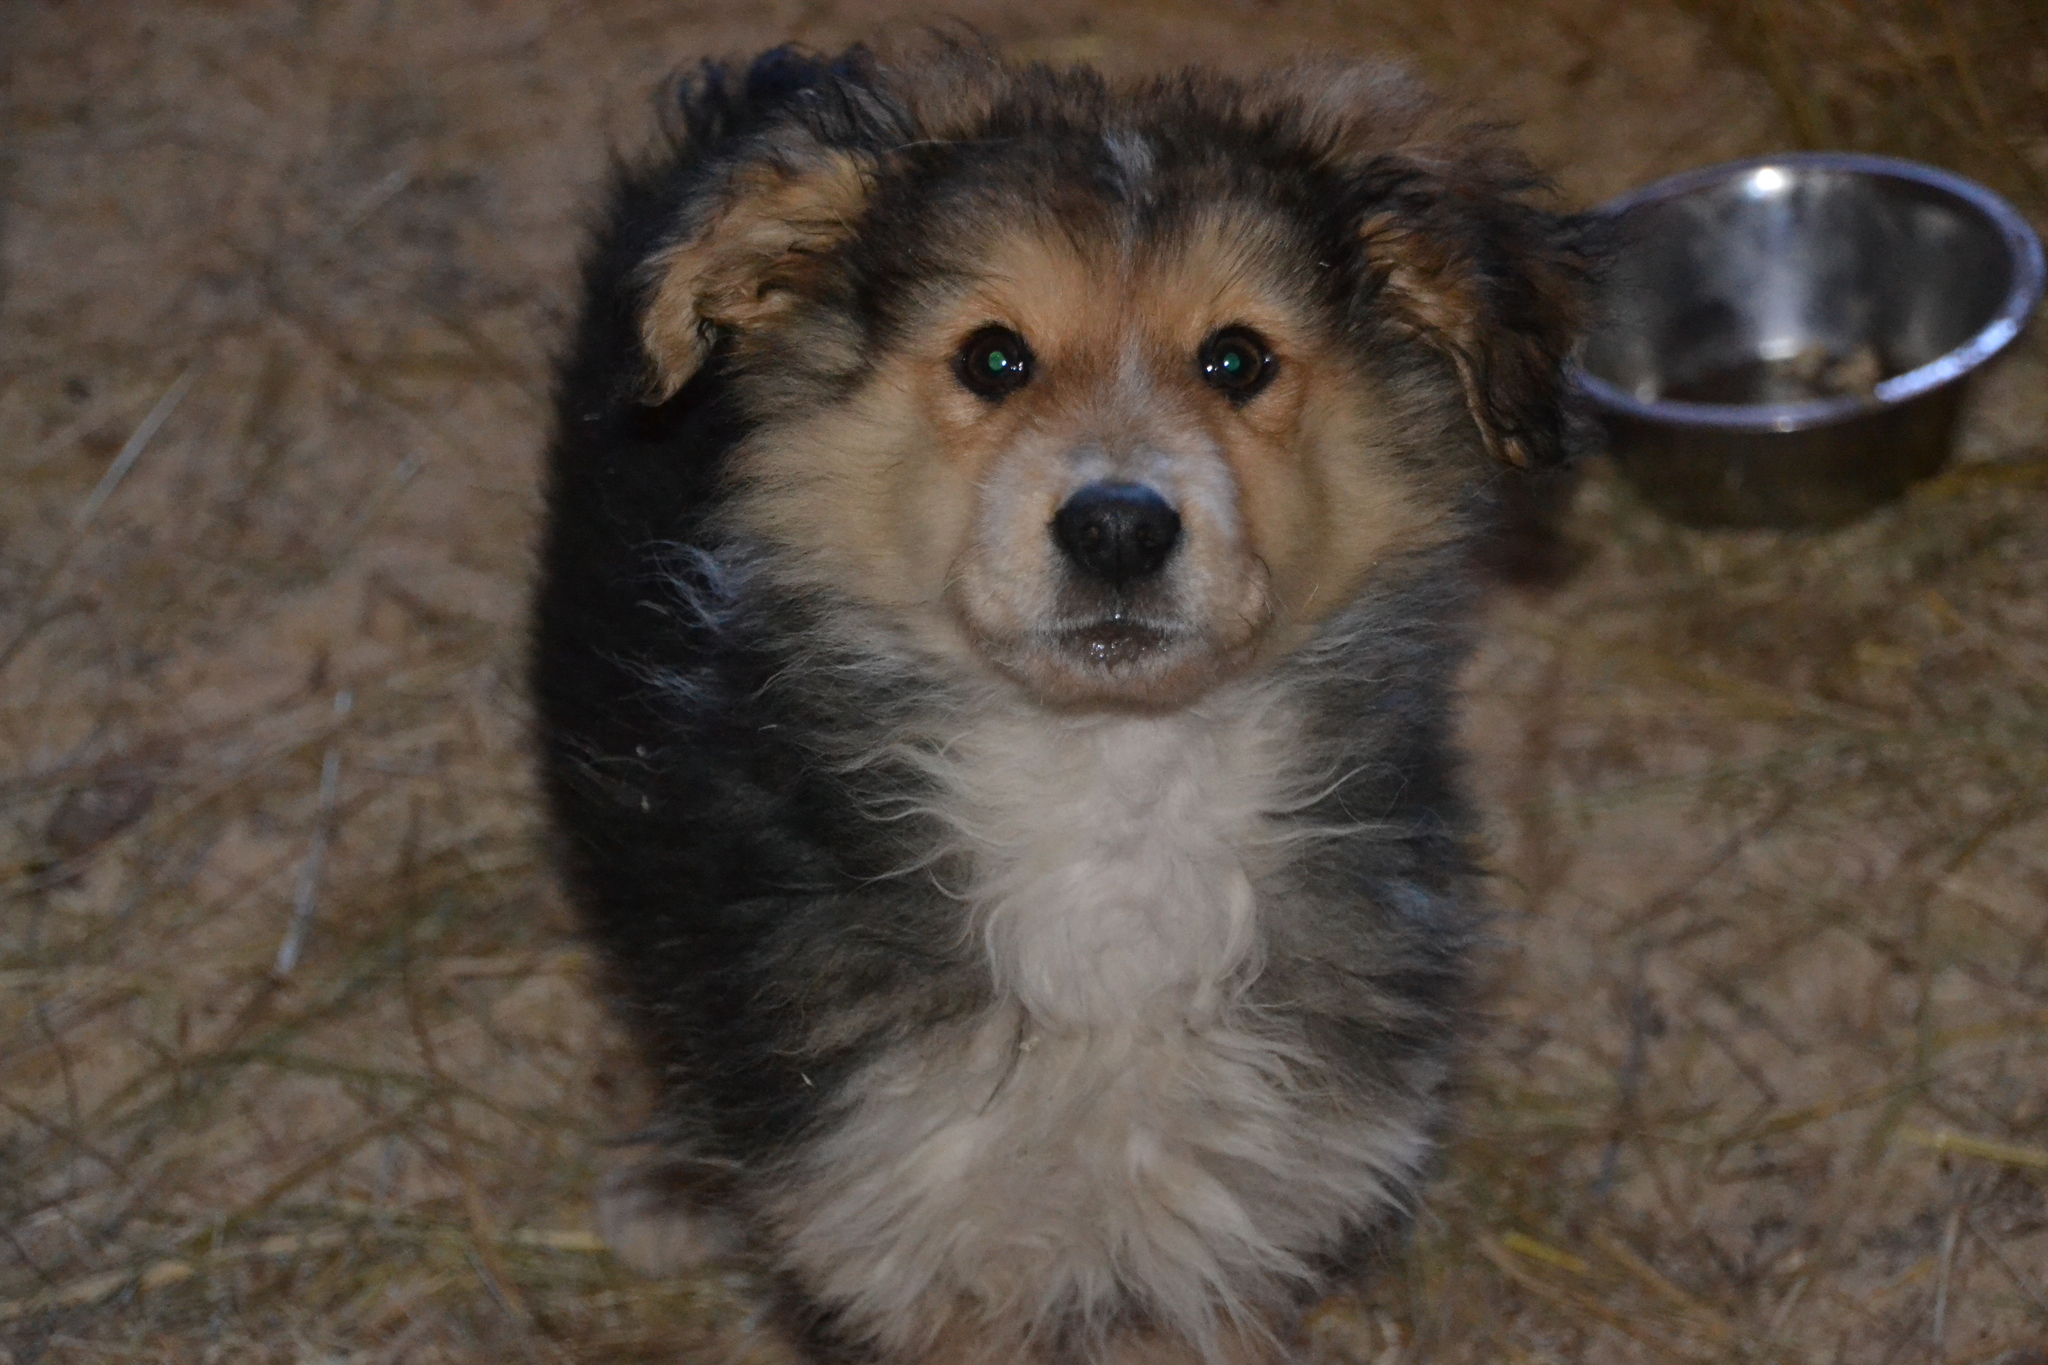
x=1121 y=402
x=1116 y=469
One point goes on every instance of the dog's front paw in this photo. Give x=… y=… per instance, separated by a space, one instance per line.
x=648 y=1217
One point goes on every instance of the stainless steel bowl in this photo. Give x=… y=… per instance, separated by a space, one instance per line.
x=1785 y=342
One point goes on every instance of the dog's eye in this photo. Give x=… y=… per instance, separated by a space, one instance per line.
x=994 y=362
x=1236 y=363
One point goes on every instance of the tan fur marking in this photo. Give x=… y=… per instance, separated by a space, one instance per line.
x=740 y=268
x=1432 y=293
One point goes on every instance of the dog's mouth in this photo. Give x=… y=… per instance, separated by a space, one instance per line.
x=1116 y=642
x=1113 y=659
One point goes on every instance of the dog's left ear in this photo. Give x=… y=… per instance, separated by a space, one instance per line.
x=1451 y=247
x=744 y=261
x=1494 y=284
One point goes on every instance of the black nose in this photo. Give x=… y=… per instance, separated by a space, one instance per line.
x=1117 y=531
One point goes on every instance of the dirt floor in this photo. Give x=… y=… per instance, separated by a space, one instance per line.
x=298 y=1056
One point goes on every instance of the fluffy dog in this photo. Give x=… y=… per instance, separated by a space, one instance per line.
x=1008 y=541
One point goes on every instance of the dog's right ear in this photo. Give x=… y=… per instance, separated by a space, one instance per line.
x=746 y=254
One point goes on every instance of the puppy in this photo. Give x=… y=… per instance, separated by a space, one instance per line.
x=1008 y=541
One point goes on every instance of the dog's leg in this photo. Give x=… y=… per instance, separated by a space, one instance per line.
x=652 y=1219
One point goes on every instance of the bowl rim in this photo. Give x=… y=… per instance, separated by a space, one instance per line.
x=2023 y=246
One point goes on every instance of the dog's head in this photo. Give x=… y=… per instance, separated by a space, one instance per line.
x=1118 y=392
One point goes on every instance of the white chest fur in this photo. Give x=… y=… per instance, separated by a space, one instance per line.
x=1120 y=1120
x=1113 y=863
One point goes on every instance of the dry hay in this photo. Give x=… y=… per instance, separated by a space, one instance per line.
x=1960 y=82
x=298 y=1058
